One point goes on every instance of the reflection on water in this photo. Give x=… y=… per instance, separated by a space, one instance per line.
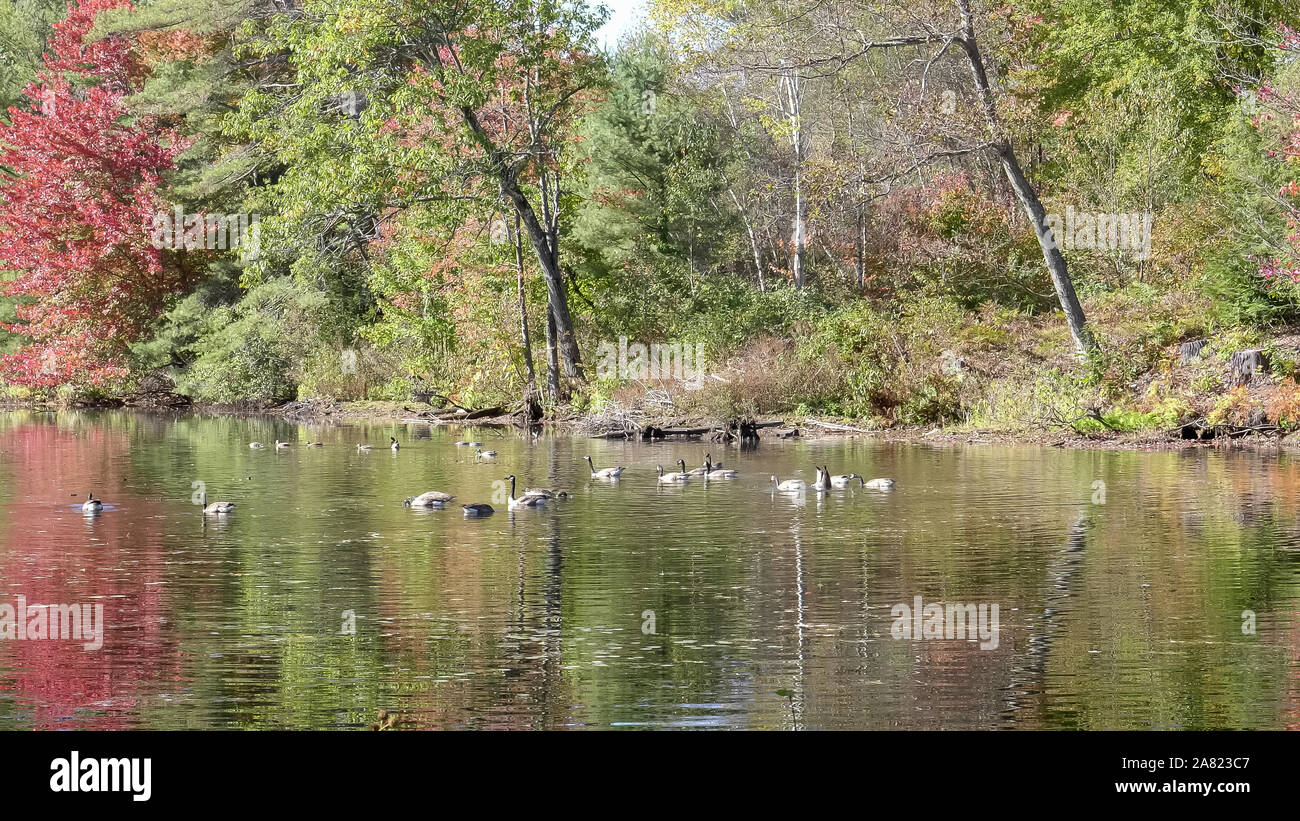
x=633 y=604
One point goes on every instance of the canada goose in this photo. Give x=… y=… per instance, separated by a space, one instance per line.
x=464 y=444
x=395 y=445
x=432 y=498
x=485 y=454
x=604 y=473
x=670 y=478
x=281 y=445
x=525 y=500
x=823 y=481
x=314 y=444
x=256 y=445
x=546 y=493
x=715 y=472
x=478 y=510
x=789 y=485
x=214 y=508
x=91 y=505
x=844 y=479
x=699 y=471
x=364 y=446
x=879 y=484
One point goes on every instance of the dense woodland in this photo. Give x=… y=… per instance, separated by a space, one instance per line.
x=874 y=210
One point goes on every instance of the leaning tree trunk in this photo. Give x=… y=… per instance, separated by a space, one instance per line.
x=1061 y=282
x=545 y=244
x=544 y=247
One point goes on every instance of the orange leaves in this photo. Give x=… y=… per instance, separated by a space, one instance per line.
x=156 y=47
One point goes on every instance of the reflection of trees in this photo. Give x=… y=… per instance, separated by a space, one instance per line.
x=1027 y=672
x=53 y=554
x=533 y=620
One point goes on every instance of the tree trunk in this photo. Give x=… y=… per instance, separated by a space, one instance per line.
x=545 y=241
x=1083 y=339
x=552 y=358
x=862 y=246
x=530 y=373
x=545 y=246
x=753 y=241
x=792 y=108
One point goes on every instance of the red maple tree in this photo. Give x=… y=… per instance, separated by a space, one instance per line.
x=75 y=212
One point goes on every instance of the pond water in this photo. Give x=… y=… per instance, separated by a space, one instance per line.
x=322 y=599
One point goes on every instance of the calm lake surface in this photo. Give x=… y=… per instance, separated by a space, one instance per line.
x=769 y=610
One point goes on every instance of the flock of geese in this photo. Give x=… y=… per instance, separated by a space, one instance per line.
x=538 y=497
x=709 y=471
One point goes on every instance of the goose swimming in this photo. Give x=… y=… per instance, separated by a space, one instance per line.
x=604 y=473
x=525 y=500
x=671 y=478
x=431 y=498
x=714 y=472
x=216 y=507
x=844 y=479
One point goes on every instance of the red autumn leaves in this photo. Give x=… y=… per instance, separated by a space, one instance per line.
x=74 y=215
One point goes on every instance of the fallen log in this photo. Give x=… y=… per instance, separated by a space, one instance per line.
x=688 y=431
x=479 y=414
x=834 y=426
x=440 y=422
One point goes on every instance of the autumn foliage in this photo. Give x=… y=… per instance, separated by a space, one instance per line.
x=1286 y=104
x=73 y=218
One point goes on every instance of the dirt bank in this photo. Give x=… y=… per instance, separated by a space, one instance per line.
x=771 y=428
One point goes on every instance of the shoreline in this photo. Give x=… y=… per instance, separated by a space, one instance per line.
x=806 y=428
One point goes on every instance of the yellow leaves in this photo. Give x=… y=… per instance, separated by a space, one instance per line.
x=349 y=22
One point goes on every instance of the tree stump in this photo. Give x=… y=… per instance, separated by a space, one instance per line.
x=1245 y=364
x=1191 y=350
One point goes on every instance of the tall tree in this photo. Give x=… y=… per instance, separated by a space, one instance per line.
x=435 y=129
x=831 y=37
x=74 y=217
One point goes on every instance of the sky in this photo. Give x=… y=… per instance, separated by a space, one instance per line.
x=622 y=14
